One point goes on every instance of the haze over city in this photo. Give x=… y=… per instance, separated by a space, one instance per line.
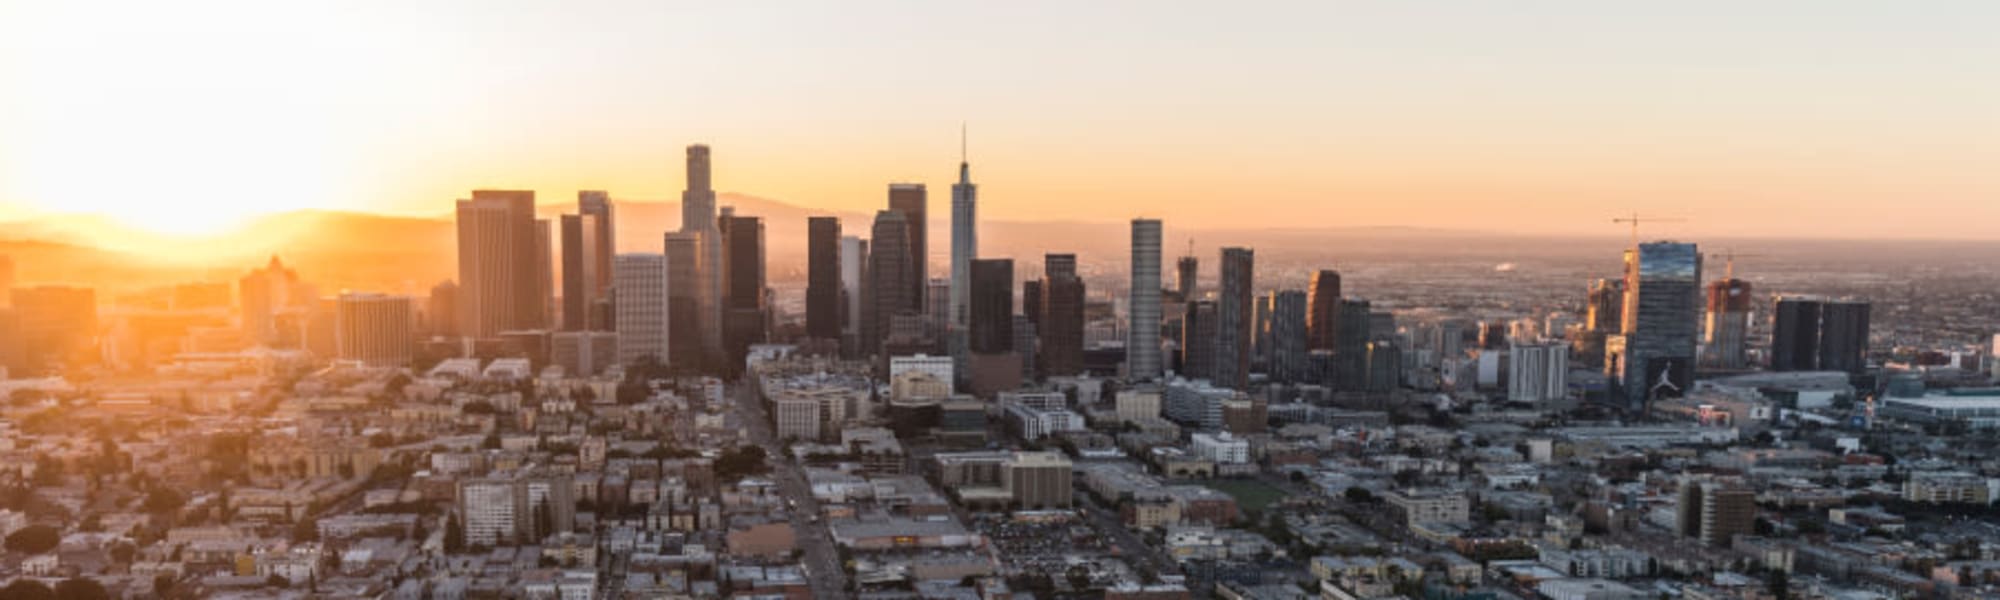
x=622 y=300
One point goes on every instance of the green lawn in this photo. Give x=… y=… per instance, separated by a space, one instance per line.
x=1251 y=495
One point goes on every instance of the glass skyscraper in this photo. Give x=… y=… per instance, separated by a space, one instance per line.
x=1661 y=322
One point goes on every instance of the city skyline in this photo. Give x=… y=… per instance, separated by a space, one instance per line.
x=1126 y=126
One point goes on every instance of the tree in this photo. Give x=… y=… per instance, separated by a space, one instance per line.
x=741 y=461
x=1779 y=584
x=306 y=530
x=454 y=535
x=277 y=581
x=163 y=500
x=1079 y=577
x=34 y=539
x=81 y=588
x=124 y=552
x=27 y=589
x=48 y=471
x=545 y=520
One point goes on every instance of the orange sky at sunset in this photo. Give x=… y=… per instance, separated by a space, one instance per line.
x=1834 y=119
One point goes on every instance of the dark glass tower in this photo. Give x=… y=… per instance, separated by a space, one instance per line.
x=823 y=277
x=911 y=200
x=992 y=306
x=1060 y=326
x=1816 y=334
x=744 y=316
x=889 y=291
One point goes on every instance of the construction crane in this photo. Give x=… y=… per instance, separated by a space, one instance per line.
x=1729 y=257
x=1635 y=219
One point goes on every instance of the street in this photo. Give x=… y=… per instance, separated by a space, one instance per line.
x=824 y=572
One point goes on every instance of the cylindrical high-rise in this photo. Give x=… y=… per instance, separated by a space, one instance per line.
x=1142 y=337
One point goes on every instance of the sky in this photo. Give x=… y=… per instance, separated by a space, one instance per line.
x=1820 y=118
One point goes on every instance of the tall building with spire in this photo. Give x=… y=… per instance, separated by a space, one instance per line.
x=964 y=238
x=1142 y=342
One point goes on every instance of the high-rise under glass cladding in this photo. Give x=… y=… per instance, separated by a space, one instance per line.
x=1662 y=316
x=1723 y=342
x=1606 y=310
x=1142 y=333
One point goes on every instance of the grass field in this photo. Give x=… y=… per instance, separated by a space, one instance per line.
x=1250 y=495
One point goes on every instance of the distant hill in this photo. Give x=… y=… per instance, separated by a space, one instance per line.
x=399 y=254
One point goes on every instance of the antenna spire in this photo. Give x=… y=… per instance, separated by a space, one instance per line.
x=961 y=143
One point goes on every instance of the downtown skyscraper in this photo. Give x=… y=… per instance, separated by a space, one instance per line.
x=1323 y=310
x=1059 y=326
x=1233 y=319
x=1724 y=343
x=746 y=316
x=823 y=290
x=698 y=223
x=1286 y=339
x=502 y=261
x=889 y=291
x=641 y=299
x=1654 y=356
x=1142 y=331
x=964 y=242
x=1810 y=333
x=581 y=292
x=376 y=330
x=914 y=202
